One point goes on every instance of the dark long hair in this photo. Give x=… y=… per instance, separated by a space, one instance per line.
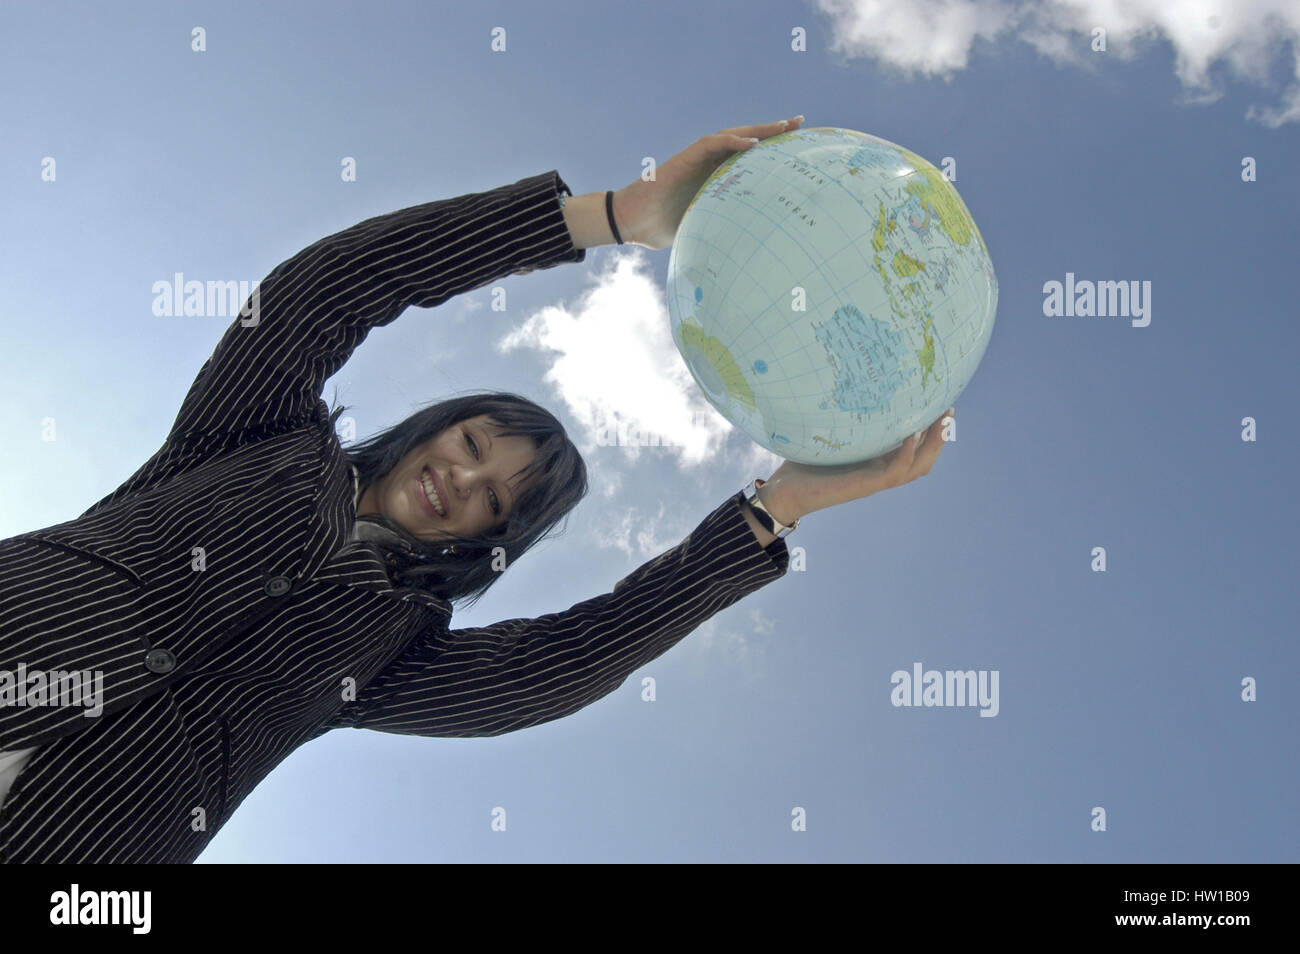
x=468 y=573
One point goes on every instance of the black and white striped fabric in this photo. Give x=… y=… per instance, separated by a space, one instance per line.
x=220 y=594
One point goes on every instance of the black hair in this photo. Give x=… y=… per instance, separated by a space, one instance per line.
x=468 y=573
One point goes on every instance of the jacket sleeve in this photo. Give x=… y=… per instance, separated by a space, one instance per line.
x=313 y=310
x=490 y=680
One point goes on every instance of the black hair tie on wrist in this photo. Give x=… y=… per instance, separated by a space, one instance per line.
x=609 y=211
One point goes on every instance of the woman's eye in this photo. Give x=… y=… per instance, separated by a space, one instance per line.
x=473 y=446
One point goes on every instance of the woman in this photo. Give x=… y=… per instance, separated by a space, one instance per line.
x=253 y=586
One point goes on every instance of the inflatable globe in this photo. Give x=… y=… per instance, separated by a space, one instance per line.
x=830 y=293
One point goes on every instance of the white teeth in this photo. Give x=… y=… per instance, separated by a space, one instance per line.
x=432 y=493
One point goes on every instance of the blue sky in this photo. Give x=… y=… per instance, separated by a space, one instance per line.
x=1119 y=689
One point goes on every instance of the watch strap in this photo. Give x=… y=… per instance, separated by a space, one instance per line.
x=762 y=514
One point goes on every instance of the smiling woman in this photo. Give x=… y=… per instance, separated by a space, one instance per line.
x=455 y=482
x=503 y=469
x=255 y=585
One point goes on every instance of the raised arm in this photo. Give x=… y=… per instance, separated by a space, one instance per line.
x=489 y=680
x=313 y=310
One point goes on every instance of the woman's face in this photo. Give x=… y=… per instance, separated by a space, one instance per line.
x=473 y=471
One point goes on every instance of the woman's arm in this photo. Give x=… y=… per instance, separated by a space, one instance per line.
x=489 y=680
x=310 y=313
x=588 y=221
x=314 y=309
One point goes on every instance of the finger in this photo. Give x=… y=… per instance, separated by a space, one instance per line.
x=912 y=453
x=933 y=435
x=710 y=150
x=901 y=465
x=934 y=445
x=763 y=130
x=936 y=426
x=724 y=142
x=760 y=129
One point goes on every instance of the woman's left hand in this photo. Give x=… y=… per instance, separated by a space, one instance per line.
x=648 y=213
x=796 y=490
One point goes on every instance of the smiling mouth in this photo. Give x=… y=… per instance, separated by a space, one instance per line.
x=431 y=492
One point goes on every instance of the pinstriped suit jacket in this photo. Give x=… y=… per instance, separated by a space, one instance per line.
x=213 y=676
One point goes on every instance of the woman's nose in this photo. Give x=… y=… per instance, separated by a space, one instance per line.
x=463 y=479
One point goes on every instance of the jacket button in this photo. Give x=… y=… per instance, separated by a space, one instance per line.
x=277 y=586
x=159 y=660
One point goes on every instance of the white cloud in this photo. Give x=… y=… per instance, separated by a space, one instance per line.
x=763 y=625
x=927 y=36
x=614 y=365
x=634 y=534
x=935 y=37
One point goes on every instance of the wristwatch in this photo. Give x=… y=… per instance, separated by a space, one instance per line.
x=762 y=514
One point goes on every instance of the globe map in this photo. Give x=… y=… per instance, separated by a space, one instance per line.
x=830 y=293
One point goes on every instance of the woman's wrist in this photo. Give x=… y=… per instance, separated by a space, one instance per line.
x=769 y=493
x=588 y=221
x=775 y=504
x=761 y=533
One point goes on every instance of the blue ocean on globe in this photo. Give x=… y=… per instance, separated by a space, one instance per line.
x=830 y=293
